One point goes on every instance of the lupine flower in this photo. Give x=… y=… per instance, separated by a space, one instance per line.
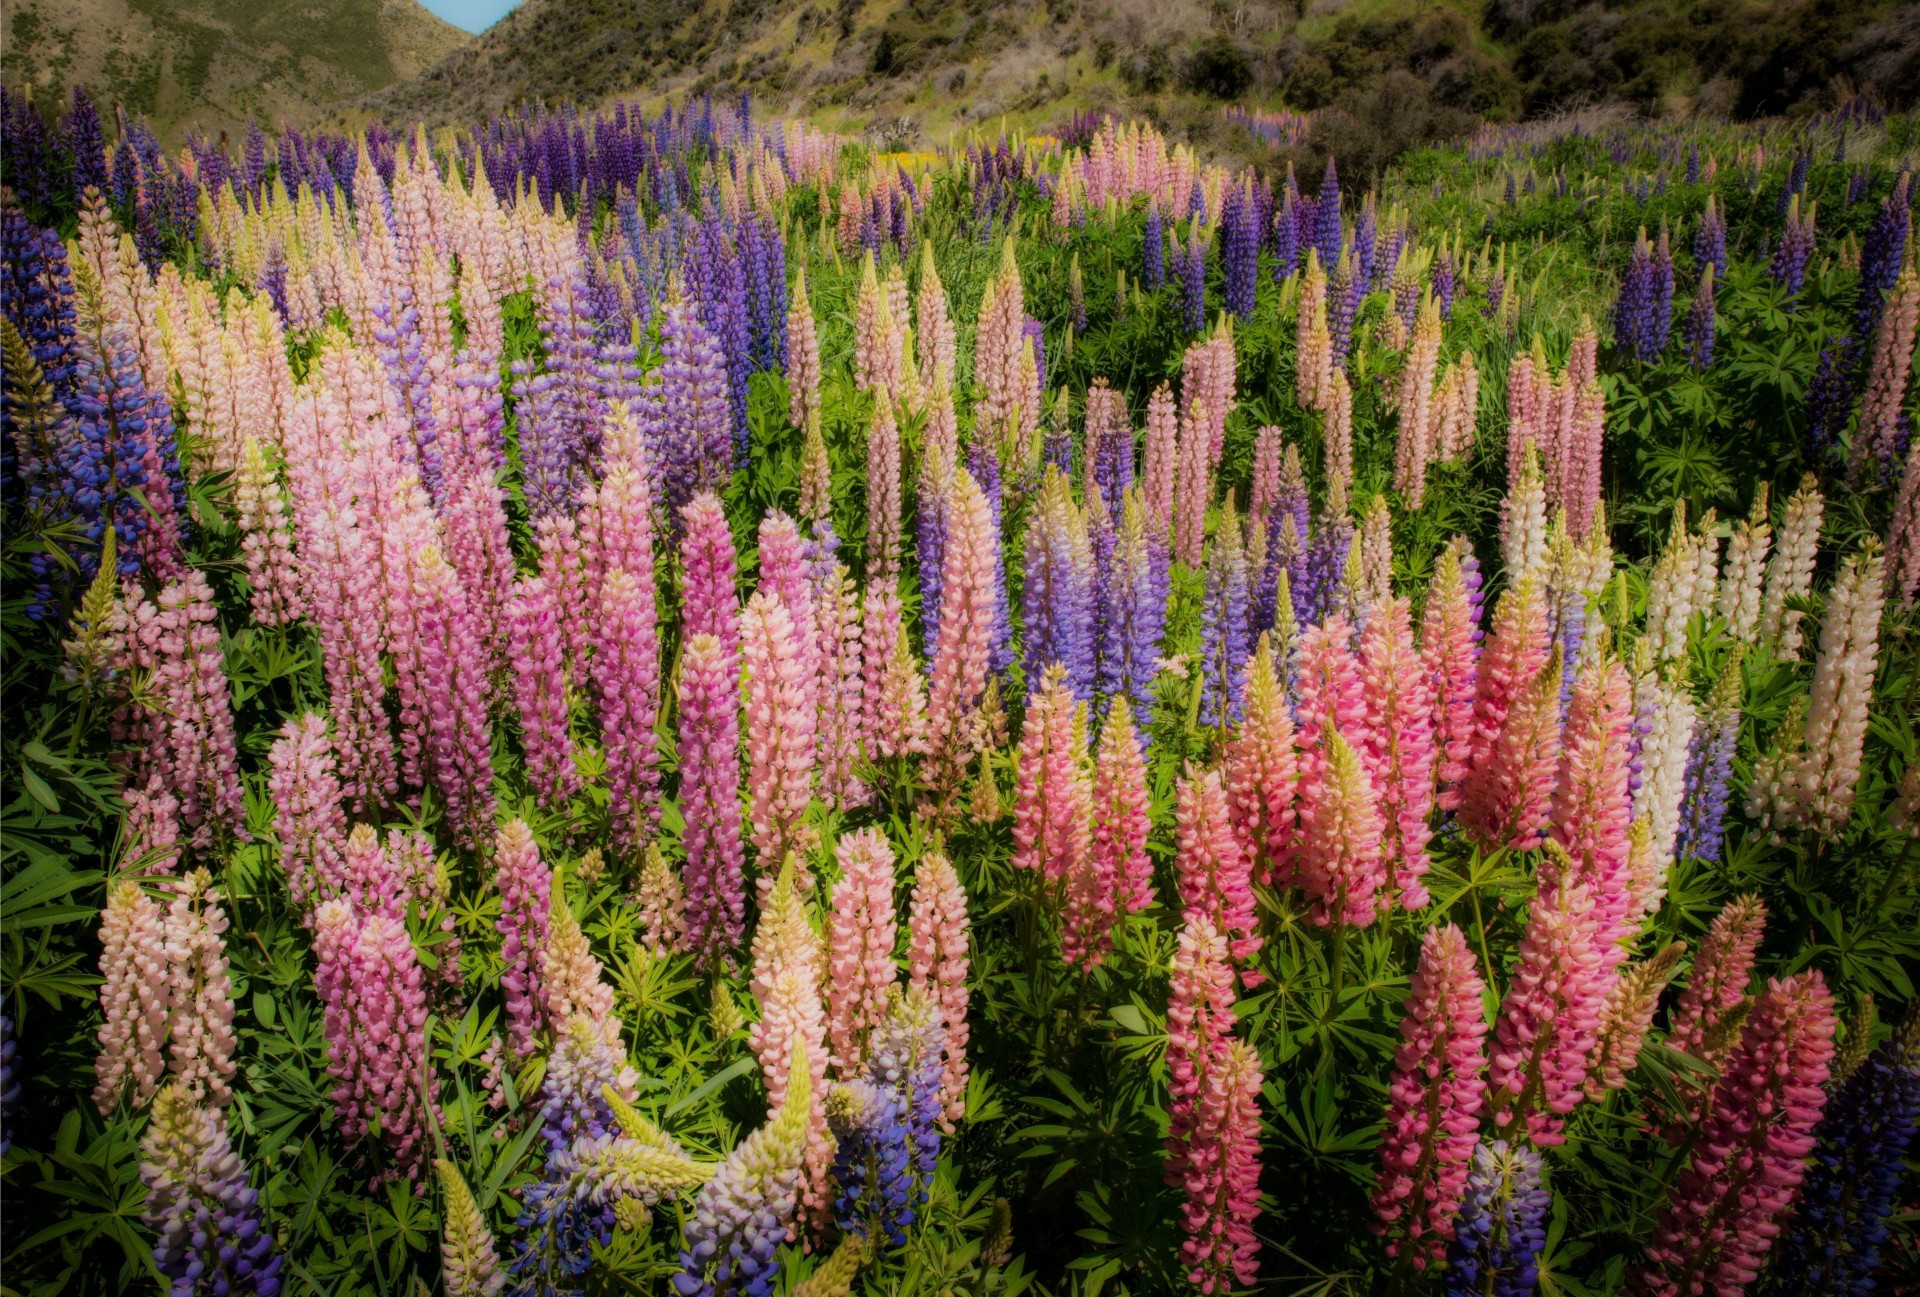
x=1119 y=867
x=1222 y=1177
x=860 y=939
x=525 y=886
x=688 y=408
x=368 y=981
x=893 y=696
x=1823 y=777
x=1505 y=796
x=966 y=629
x=1200 y=1025
x=1434 y=1100
x=743 y=1213
x=199 y=991
x=1789 y=264
x=938 y=936
x=1626 y=1018
x=1790 y=570
x=133 y=998
x=1876 y=442
x=272 y=570
x=1223 y=626
x=1052 y=822
x=780 y=728
x=870 y=1164
x=212 y=1235
x=1213 y=872
x=1701 y=320
x=1340 y=866
x=309 y=820
x=539 y=686
x=1057 y=596
x=571 y=982
x=1706 y=1020
x=626 y=673
x=469 y=1264
x=710 y=605
x=1262 y=771
x=1710 y=241
x=1643 y=314
x=1153 y=266
x=883 y=492
x=1709 y=766
x=803 y=357
x=1740 y=582
x=709 y=745
x=1548 y=1020
x=905 y=1058
x=1501 y=1227
x=1832 y=1242
x=1592 y=807
x=1750 y=1154
x=1193 y=277
x=1130 y=616
x=1397 y=746
x=1161 y=456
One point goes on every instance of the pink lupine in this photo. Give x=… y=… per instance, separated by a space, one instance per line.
x=893 y=697
x=1340 y=865
x=933 y=321
x=1122 y=812
x=785 y=572
x=537 y=665
x=1207 y=388
x=786 y=980
x=1416 y=447
x=1549 y=1018
x=780 y=731
x=368 y=982
x=1889 y=367
x=525 y=886
x=1396 y=744
x=309 y=818
x=1213 y=873
x=1903 y=531
x=1375 y=544
x=860 y=940
x=616 y=515
x=842 y=719
x=1193 y=490
x=1200 y=1023
x=938 y=937
x=710 y=603
x=186 y=735
x=876 y=359
x=1509 y=669
x=563 y=565
x=474 y=526
x=150 y=839
x=883 y=493
x=1507 y=799
x=571 y=981
x=452 y=671
x=1749 y=1157
x=1053 y=801
x=370 y=877
x=966 y=632
x=1705 y=1020
x=1450 y=651
x=1434 y=1101
x=1160 y=472
x=133 y=998
x=1222 y=1177
x=803 y=356
x=200 y=1043
x=1580 y=491
x=1592 y=804
x=626 y=679
x=1262 y=774
x=709 y=741
x=272 y=570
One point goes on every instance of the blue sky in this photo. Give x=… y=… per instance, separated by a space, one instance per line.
x=472 y=15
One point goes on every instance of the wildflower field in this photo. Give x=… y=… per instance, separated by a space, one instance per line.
x=607 y=702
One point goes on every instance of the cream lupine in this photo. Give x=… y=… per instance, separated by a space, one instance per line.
x=1746 y=569
x=199 y=991
x=1843 y=674
x=133 y=998
x=1790 y=570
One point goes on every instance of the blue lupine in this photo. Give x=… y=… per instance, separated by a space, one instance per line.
x=1500 y=1228
x=87 y=144
x=210 y=1234
x=1830 y=396
x=1241 y=255
x=1056 y=598
x=687 y=414
x=1710 y=241
x=1789 y=264
x=1131 y=597
x=1286 y=231
x=870 y=1165
x=904 y=1058
x=1703 y=805
x=1445 y=283
x=1881 y=254
x=1326 y=217
x=1344 y=291
x=1701 y=324
x=1193 y=280
x=1318 y=596
x=9 y=1083
x=1224 y=637
x=1831 y=1244
x=1153 y=251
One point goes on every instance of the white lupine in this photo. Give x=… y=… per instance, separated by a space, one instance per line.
x=1836 y=730
x=1523 y=523
x=1663 y=778
x=1740 y=583
x=1790 y=571
x=1674 y=589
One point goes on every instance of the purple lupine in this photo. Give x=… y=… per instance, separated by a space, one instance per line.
x=1831 y=395
x=560 y=413
x=930 y=550
x=1789 y=264
x=1881 y=253
x=1193 y=279
x=1710 y=241
x=1035 y=334
x=688 y=415
x=1286 y=231
x=1153 y=251
x=9 y=1083
x=716 y=279
x=1703 y=804
x=870 y=1164
x=1832 y=1242
x=1643 y=315
x=1223 y=626
x=1344 y=291
x=1241 y=255
x=1131 y=595
x=1326 y=217
x=1501 y=1225
x=1056 y=598
x=983 y=462
x=1365 y=246
x=210 y=1234
x=1445 y=283
x=1701 y=322
x=1318 y=596
x=86 y=143
x=396 y=335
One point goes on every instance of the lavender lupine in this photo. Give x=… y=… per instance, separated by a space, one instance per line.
x=689 y=409
x=1224 y=641
x=1057 y=596
x=211 y=1235
x=1501 y=1227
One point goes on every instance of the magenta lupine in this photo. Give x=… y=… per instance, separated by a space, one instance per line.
x=1592 y=805
x=1550 y=1017
x=709 y=738
x=1706 y=1019
x=1052 y=814
x=1450 y=651
x=564 y=566
x=369 y=985
x=1750 y=1155
x=938 y=935
x=1200 y=1023
x=780 y=717
x=187 y=735
x=1221 y=1177
x=1212 y=871
x=452 y=669
x=1262 y=773
x=626 y=679
x=860 y=940
x=538 y=670
x=525 y=885
x=1434 y=1101
x=710 y=603
x=1396 y=744
x=308 y=817
x=1511 y=668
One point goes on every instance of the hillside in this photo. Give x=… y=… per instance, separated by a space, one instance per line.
x=1394 y=72
x=210 y=64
